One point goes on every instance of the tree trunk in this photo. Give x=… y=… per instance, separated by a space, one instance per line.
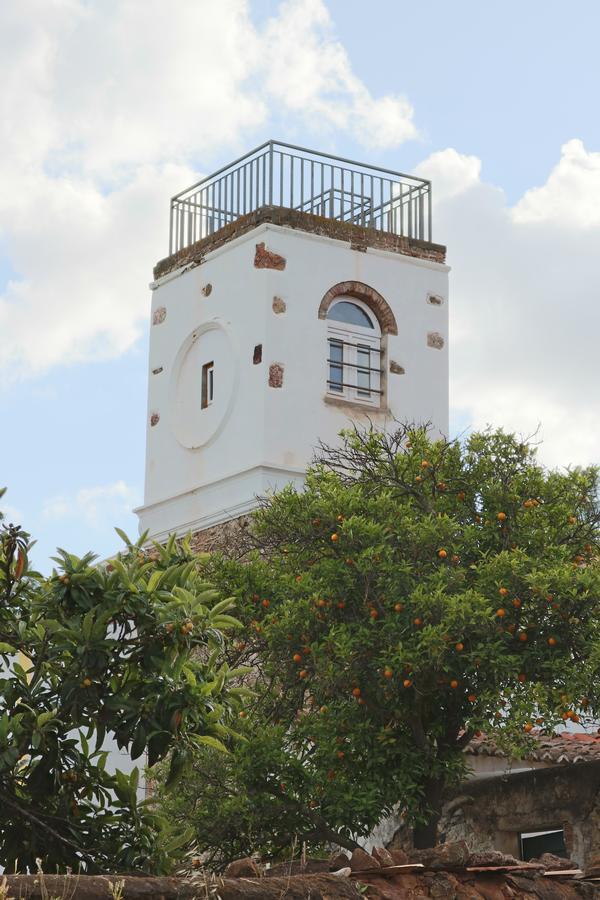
x=425 y=834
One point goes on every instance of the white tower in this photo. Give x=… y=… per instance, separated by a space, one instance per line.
x=301 y=292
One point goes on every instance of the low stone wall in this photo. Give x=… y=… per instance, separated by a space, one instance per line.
x=439 y=885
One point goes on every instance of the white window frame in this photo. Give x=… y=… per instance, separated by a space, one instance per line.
x=350 y=340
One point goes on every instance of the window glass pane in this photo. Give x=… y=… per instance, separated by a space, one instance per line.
x=363 y=376
x=336 y=369
x=349 y=313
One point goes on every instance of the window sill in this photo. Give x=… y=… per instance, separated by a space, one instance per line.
x=366 y=408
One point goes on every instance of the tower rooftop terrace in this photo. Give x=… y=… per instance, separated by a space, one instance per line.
x=305 y=189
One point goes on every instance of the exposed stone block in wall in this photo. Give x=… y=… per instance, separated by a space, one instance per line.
x=396 y=368
x=266 y=259
x=275 y=375
x=207 y=290
x=435 y=299
x=232 y=538
x=159 y=315
x=157 y=371
x=279 y=306
x=154 y=419
x=435 y=340
x=257 y=355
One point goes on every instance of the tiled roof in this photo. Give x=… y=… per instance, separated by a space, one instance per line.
x=568 y=747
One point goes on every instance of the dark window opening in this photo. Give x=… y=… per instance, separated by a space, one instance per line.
x=534 y=843
x=208 y=384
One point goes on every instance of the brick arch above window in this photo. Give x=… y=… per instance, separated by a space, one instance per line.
x=369 y=296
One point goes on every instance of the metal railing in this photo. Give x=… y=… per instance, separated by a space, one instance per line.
x=277 y=174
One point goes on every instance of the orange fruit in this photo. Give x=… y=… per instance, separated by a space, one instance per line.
x=461 y=496
x=552 y=642
x=442 y=553
x=334 y=538
x=407 y=683
x=454 y=684
x=266 y=603
x=472 y=698
x=418 y=478
x=424 y=464
x=242 y=714
x=418 y=622
x=356 y=692
x=374 y=614
x=460 y=646
x=398 y=607
x=340 y=518
x=528 y=727
x=441 y=485
x=517 y=603
x=321 y=603
x=387 y=673
x=572 y=520
x=523 y=636
x=341 y=604
x=501 y=517
x=503 y=591
x=303 y=673
x=522 y=677
x=501 y=613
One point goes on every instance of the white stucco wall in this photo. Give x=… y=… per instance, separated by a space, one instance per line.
x=206 y=466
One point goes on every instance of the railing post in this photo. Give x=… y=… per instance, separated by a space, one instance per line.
x=270 y=173
x=171 y=212
x=429 y=217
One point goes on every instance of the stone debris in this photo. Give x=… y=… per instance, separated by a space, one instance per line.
x=384 y=857
x=444 y=857
x=361 y=861
x=242 y=868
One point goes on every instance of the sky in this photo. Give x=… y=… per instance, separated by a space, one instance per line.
x=108 y=107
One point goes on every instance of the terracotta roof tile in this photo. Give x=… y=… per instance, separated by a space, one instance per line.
x=568 y=747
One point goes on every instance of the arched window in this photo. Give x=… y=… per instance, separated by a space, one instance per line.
x=354 y=351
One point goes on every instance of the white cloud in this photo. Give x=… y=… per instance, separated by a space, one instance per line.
x=104 y=111
x=451 y=171
x=525 y=301
x=94 y=506
x=570 y=197
x=309 y=71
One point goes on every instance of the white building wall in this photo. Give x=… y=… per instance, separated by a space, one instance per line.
x=204 y=466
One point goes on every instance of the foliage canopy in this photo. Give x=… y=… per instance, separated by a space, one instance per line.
x=128 y=653
x=416 y=593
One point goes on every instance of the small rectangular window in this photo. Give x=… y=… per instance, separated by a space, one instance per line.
x=208 y=384
x=336 y=366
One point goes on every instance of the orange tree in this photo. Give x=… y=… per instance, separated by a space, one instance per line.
x=416 y=593
x=128 y=654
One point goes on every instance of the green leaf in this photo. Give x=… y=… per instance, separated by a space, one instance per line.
x=209 y=741
x=138 y=744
